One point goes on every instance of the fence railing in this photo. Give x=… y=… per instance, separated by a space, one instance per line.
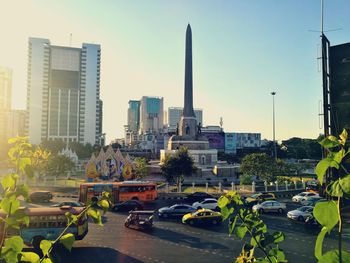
x=220 y=188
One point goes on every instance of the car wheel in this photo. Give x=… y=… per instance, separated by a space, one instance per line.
x=115 y=209
x=280 y=210
x=261 y=211
x=126 y=224
x=301 y=219
x=135 y=198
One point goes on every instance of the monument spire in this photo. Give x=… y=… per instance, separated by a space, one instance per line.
x=188 y=102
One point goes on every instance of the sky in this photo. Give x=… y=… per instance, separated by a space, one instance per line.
x=242 y=51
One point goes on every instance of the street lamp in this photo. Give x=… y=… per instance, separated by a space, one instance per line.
x=273 y=120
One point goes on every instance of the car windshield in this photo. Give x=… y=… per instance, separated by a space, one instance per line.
x=302 y=209
x=302 y=194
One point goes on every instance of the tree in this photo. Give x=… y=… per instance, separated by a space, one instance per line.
x=141 y=170
x=246 y=179
x=259 y=164
x=178 y=165
x=59 y=165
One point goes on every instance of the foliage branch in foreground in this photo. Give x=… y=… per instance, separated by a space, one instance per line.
x=24 y=157
x=242 y=221
x=328 y=213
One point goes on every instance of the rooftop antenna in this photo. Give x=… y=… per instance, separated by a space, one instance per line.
x=221 y=122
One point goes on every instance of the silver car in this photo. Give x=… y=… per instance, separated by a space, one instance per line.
x=270 y=206
x=301 y=213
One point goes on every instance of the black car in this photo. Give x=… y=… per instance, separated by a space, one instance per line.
x=127 y=206
x=197 y=196
x=175 y=210
x=40 y=196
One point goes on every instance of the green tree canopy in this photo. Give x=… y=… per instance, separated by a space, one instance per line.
x=141 y=170
x=178 y=165
x=259 y=164
x=59 y=165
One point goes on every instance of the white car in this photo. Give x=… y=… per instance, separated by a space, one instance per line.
x=301 y=213
x=297 y=198
x=208 y=203
x=270 y=206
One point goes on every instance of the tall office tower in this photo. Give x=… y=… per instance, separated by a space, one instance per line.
x=5 y=88
x=175 y=113
x=134 y=116
x=151 y=115
x=63 y=96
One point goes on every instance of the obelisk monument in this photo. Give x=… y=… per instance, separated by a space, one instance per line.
x=188 y=122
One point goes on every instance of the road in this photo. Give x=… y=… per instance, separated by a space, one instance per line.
x=171 y=241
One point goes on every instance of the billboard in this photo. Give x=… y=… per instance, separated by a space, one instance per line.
x=216 y=140
x=339 y=63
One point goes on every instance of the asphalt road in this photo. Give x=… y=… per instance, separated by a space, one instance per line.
x=171 y=241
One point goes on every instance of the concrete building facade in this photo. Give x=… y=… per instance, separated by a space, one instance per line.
x=151 y=115
x=174 y=115
x=63 y=93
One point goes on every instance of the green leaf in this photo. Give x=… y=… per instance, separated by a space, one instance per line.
x=338 y=156
x=8 y=182
x=223 y=201
x=329 y=142
x=29 y=171
x=22 y=190
x=326 y=213
x=343 y=137
x=321 y=168
x=231 y=225
x=240 y=231
x=319 y=242
x=333 y=257
x=95 y=215
x=267 y=239
x=45 y=246
x=30 y=257
x=253 y=242
x=46 y=260
x=12 y=247
x=106 y=195
x=10 y=205
x=334 y=189
x=71 y=218
x=278 y=237
x=104 y=205
x=23 y=162
x=278 y=254
x=345 y=184
x=68 y=240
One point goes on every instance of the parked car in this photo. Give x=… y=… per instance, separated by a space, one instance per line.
x=40 y=196
x=197 y=196
x=127 y=206
x=311 y=221
x=202 y=216
x=270 y=206
x=311 y=200
x=259 y=198
x=301 y=213
x=69 y=203
x=297 y=198
x=175 y=210
x=208 y=203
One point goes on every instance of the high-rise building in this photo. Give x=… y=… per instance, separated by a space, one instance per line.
x=151 y=115
x=175 y=113
x=134 y=116
x=5 y=88
x=63 y=96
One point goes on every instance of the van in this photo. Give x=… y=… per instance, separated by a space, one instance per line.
x=40 y=196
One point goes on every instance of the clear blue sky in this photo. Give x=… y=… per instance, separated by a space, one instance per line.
x=242 y=51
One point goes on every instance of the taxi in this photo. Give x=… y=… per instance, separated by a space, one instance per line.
x=202 y=216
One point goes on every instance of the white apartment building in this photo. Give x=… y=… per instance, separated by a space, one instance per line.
x=63 y=93
x=175 y=113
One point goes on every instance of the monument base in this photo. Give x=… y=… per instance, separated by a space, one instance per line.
x=200 y=157
x=191 y=143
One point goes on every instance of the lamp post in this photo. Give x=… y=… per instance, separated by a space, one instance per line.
x=273 y=120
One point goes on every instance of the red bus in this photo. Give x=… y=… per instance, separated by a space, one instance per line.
x=120 y=191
